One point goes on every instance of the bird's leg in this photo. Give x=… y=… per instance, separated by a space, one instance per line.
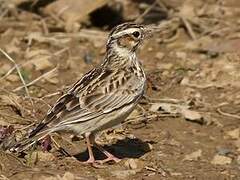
x=90 y=138
x=110 y=157
x=91 y=159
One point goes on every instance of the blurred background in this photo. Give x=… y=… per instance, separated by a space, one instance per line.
x=186 y=126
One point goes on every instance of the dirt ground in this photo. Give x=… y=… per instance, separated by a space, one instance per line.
x=186 y=126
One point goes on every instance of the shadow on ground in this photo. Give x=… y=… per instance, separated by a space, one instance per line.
x=127 y=148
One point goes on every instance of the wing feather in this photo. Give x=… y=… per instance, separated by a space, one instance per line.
x=86 y=100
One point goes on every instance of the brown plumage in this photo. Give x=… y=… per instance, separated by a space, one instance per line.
x=103 y=97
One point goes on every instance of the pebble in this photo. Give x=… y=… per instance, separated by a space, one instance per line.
x=194 y=156
x=134 y=164
x=159 y=55
x=68 y=176
x=224 y=151
x=123 y=174
x=234 y=134
x=181 y=55
x=221 y=160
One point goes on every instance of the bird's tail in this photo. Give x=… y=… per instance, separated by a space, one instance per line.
x=27 y=142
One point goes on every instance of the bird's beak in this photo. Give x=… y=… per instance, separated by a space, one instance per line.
x=148 y=31
x=161 y=29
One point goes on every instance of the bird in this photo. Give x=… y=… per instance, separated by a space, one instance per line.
x=103 y=97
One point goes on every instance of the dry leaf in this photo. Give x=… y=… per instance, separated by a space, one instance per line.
x=40 y=59
x=42 y=63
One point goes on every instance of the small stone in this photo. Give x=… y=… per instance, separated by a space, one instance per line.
x=194 y=156
x=165 y=73
x=150 y=49
x=192 y=115
x=234 y=134
x=223 y=151
x=181 y=55
x=221 y=160
x=134 y=164
x=185 y=81
x=123 y=174
x=159 y=55
x=131 y=164
x=68 y=176
x=150 y=146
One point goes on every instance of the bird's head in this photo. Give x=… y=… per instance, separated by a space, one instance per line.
x=127 y=37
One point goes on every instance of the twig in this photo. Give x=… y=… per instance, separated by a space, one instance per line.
x=227 y=114
x=173 y=38
x=139 y=19
x=170 y=100
x=60 y=148
x=36 y=80
x=51 y=95
x=20 y=75
x=189 y=28
x=150 y=169
x=162 y=5
x=45 y=27
x=209 y=85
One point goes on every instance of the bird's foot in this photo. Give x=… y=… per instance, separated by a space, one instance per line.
x=93 y=163
x=109 y=158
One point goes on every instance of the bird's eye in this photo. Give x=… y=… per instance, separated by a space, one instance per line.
x=136 y=34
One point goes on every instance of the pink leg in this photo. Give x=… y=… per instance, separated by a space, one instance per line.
x=110 y=157
x=90 y=139
x=91 y=159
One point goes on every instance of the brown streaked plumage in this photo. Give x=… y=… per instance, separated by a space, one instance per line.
x=103 y=97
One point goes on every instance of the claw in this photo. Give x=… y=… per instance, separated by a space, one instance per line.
x=91 y=160
x=115 y=159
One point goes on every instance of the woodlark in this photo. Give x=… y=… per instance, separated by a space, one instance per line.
x=103 y=97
